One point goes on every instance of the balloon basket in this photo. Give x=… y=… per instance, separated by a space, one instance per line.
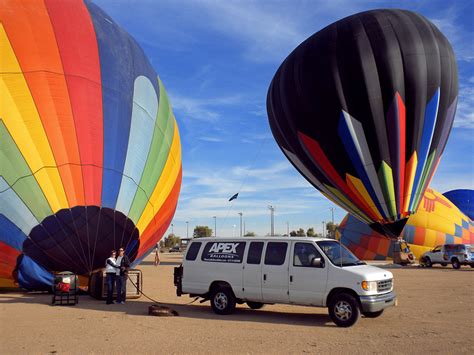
x=65 y=289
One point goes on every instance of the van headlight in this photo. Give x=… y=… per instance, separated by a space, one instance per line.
x=369 y=285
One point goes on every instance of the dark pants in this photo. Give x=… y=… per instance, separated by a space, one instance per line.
x=121 y=288
x=110 y=287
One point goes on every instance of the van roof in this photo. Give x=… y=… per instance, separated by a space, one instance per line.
x=266 y=238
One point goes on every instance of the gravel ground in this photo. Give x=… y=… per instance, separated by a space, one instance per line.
x=435 y=315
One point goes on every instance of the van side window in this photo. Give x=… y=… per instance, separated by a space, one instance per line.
x=276 y=253
x=193 y=251
x=255 y=253
x=304 y=253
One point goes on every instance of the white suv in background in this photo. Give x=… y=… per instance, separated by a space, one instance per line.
x=456 y=254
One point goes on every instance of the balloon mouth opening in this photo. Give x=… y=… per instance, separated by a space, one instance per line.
x=80 y=239
x=392 y=230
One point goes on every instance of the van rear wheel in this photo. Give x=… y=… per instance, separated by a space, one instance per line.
x=255 y=305
x=223 y=300
x=344 y=310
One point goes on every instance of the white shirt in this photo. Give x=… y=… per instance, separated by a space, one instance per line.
x=109 y=269
x=119 y=260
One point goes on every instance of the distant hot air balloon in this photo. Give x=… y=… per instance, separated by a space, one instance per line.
x=90 y=155
x=363 y=109
x=463 y=199
x=438 y=221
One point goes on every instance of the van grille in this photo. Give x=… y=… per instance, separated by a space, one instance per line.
x=385 y=285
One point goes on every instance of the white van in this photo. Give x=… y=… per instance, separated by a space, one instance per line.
x=294 y=270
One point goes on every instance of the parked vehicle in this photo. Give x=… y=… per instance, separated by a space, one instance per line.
x=293 y=270
x=456 y=254
x=175 y=249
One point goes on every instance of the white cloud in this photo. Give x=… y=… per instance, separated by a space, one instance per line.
x=465 y=110
x=265 y=31
x=211 y=139
x=203 y=109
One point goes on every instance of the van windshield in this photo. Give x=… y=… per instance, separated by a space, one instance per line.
x=339 y=254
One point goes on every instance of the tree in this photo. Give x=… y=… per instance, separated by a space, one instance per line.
x=331 y=229
x=202 y=231
x=172 y=240
x=310 y=232
x=293 y=233
x=249 y=234
x=300 y=233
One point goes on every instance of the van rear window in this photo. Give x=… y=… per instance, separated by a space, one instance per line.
x=223 y=252
x=276 y=253
x=193 y=251
x=255 y=253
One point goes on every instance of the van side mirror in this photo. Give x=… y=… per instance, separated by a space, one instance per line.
x=317 y=262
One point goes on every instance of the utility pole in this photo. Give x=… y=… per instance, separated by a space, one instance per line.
x=187 y=229
x=332 y=214
x=215 y=225
x=272 y=220
x=240 y=214
x=244 y=227
x=324 y=232
x=172 y=228
x=287 y=228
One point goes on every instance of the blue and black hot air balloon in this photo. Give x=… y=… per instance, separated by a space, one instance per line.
x=363 y=109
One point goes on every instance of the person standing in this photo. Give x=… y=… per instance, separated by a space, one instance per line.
x=157 y=254
x=124 y=262
x=111 y=269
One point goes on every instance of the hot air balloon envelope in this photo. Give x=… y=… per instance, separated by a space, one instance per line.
x=90 y=156
x=363 y=109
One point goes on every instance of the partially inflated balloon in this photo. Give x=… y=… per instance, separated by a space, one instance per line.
x=463 y=199
x=438 y=221
x=363 y=109
x=90 y=156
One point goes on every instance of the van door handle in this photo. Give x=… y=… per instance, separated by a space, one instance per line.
x=291 y=278
x=264 y=277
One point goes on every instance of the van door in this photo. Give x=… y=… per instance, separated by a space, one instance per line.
x=307 y=283
x=275 y=273
x=252 y=273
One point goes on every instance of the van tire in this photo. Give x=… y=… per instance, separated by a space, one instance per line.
x=456 y=264
x=373 y=314
x=427 y=262
x=255 y=305
x=223 y=300
x=344 y=310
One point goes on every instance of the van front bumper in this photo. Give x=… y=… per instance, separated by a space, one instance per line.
x=378 y=302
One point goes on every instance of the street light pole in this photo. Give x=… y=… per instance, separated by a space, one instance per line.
x=287 y=229
x=187 y=229
x=172 y=228
x=240 y=214
x=215 y=225
x=323 y=228
x=332 y=214
x=272 y=220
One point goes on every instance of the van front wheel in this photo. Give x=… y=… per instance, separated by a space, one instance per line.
x=255 y=305
x=223 y=301
x=344 y=310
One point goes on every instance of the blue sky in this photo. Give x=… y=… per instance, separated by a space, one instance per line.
x=217 y=58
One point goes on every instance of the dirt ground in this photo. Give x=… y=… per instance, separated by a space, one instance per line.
x=435 y=315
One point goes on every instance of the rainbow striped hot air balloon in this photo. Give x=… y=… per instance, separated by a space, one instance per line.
x=90 y=155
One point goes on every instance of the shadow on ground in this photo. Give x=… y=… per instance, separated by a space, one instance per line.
x=193 y=311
